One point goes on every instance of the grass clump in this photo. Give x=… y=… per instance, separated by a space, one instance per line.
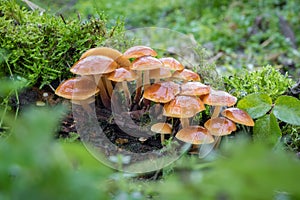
x=42 y=47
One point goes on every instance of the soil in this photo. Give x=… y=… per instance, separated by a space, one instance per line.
x=113 y=131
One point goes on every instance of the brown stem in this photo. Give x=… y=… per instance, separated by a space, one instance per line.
x=103 y=93
x=109 y=86
x=184 y=122
x=162 y=138
x=138 y=92
x=85 y=104
x=216 y=112
x=126 y=94
x=146 y=79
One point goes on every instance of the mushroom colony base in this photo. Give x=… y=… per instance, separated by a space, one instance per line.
x=141 y=101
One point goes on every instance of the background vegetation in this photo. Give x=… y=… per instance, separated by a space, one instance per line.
x=241 y=37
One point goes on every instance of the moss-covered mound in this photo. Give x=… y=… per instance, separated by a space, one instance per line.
x=41 y=47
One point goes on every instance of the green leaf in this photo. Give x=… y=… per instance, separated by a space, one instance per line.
x=287 y=109
x=266 y=129
x=256 y=104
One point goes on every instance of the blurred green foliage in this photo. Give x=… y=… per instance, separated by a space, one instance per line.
x=243 y=171
x=247 y=33
x=42 y=47
x=34 y=166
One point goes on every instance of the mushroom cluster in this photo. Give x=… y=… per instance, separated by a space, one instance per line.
x=163 y=81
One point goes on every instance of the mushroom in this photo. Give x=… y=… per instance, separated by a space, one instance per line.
x=172 y=63
x=186 y=75
x=160 y=73
x=194 y=89
x=139 y=51
x=162 y=129
x=239 y=116
x=220 y=126
x=218 y=99
x=145 y=64
x=108 y=52
x=79 y=90
x=96 y=66
x=195 y=135
x=123 y=75
x=183 y=107
x=111 y=53
x=162 y=92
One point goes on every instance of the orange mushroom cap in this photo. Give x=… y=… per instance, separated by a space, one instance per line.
x=79 y=88
x=172 y=63
x=219 y=98
x=220 y=126
x=146 y=63
x=162 y=92
x=195 y=135
x=186 y=75
x=194 y=89
x=239 y=116
x=122 y=74
x=183 y=107
x=139 y=51
x=108 y=52
x=162 y=128
x=93 y=65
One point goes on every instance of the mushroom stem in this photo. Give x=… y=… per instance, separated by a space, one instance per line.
x=146 y=79
x=85 y=105
x=126 y=94
x=138 y=91
x=109 y=87
x=216 y=112
x=157 y=80
x=162 y=138
x=184 y=122
x=103 y=93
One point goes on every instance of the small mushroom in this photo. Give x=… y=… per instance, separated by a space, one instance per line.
x=159 y=74
x=162 y=92
x=220 y=126
x=186 y=75
x=79 y=90
x=123 y=75
x=239 y=116
x=108 y=52
x=218 y=99
x=139 y=51
x=96 y=66
x=194 y=89
x=162 y=129
x=111 y=53
x=172 y=63
x=195 y=135
x=143 y=65
x=183 y=107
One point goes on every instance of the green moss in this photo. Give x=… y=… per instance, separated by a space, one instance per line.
x=42 y=47
x=267 y=80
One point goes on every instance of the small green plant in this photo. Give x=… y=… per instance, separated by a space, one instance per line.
x=267 y=80
x=267 y=113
